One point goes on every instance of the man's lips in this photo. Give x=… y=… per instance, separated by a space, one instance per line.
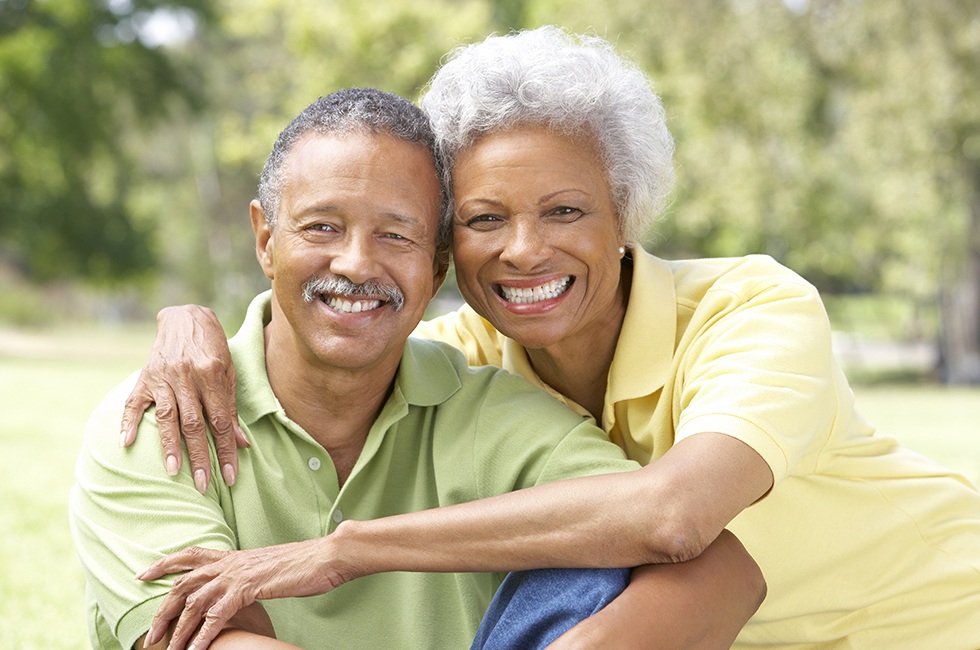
x=538 y=293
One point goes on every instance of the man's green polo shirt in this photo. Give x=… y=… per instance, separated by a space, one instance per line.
x=447 y=434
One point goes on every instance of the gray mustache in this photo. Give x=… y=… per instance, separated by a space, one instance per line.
x=341 y=286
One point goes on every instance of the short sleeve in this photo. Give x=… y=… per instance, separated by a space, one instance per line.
x=759 y=367
x=126 y=512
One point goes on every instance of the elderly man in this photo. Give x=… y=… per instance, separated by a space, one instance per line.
x=347 y=417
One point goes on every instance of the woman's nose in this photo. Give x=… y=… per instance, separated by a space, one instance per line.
x=526 y=245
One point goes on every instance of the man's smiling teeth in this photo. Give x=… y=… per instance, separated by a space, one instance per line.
x=532 y=295
x=348 y=306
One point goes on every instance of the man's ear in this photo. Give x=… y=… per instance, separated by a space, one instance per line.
x=263 y=238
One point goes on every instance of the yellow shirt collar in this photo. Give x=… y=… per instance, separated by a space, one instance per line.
x=645 y=349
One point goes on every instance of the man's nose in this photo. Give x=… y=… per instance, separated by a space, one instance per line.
x=357 y=259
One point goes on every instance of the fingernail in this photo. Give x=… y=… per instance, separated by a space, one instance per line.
x=201 y=481
x=172 y=465
x=229 y=473
x=122 y=439
x=151 y=636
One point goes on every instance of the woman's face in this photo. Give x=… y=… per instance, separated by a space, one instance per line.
x=536 y=237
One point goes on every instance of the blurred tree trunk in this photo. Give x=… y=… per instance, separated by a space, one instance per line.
x=960 y=337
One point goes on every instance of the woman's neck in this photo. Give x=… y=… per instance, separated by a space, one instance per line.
x=578 y=367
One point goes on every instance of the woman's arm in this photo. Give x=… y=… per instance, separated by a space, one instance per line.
x=696 y=605
x=191 y=379
x=701 y=604
x=669 y=511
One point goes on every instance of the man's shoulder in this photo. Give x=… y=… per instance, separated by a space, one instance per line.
x=474 y=381
x=496 y=398
x=106 y=417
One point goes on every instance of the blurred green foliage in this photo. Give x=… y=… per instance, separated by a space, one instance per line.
x=840 y=136
x=75 y=77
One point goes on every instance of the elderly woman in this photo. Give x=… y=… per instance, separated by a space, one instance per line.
x=716 y=374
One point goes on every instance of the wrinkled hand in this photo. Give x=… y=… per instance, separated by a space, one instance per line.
x=189 y=374
x=221 y=583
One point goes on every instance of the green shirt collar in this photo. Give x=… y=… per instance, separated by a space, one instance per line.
x=423 y=379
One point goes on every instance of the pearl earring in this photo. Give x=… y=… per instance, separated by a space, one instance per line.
x=622 y=251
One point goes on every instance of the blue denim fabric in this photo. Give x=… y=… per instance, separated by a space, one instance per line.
x=533 y=608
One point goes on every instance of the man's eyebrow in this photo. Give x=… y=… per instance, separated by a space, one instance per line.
x=318 y=207
x=400 y=218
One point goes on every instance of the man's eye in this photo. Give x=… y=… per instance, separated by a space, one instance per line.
x=321 y=227
x=394 y=235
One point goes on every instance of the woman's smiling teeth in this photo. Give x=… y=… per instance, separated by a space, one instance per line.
x=350 y=306
x=530 y=295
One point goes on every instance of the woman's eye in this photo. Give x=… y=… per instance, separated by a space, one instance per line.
x=565 y=211
x=395 y=236
x=483 y=221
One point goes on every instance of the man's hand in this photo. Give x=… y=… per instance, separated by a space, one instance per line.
x=221 y=583
x=189 y=374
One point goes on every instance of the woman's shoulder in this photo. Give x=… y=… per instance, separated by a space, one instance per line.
x=729 y=272
x=740 y=278
x=468 y=332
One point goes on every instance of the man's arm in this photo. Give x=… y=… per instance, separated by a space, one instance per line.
x=125 y=512
x=696 y=605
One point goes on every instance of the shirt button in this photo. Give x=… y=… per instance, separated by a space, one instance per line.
x=314 y=463
x=338 y=516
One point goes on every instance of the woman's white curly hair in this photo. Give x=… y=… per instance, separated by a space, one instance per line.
x=574 y=84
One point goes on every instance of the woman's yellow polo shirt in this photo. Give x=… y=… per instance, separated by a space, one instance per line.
x=863 y=543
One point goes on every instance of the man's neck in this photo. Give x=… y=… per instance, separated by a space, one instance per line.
x=336 y=406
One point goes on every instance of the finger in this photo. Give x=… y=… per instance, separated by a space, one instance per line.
x=192 y=425
x=223 y=429
x=185 y=560
x=240 y=439
x=167 y=417
x=136 y=404
x=172 y=606
x=215 y=620
x=190 y=619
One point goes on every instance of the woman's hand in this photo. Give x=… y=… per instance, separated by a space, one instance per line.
x=221 y=583
x=191 y=379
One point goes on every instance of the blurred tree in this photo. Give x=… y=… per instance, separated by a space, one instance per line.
x=76 y=77
x=266 y=61
x=840 y=136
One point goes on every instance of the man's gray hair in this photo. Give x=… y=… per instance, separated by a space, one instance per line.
x=346 y=111
x=573 y=84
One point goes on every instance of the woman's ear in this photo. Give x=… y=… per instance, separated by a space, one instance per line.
x=263 y=238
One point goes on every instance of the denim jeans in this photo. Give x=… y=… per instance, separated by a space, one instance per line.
x=533 y=608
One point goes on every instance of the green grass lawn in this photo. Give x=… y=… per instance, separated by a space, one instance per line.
x=49 y=384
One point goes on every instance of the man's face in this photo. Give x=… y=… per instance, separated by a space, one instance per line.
x=351 y=257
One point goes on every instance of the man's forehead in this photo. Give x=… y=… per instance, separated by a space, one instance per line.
x=357 y=150
x=395 y=175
